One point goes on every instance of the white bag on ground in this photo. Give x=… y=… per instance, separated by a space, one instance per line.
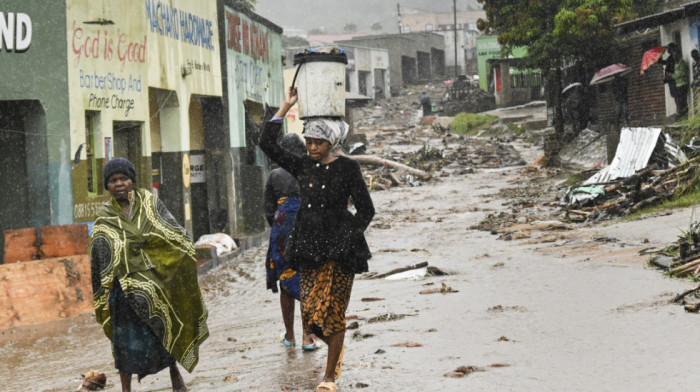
x=221 y=241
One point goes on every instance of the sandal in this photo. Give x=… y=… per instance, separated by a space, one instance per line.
x=329 y=386
x=286 y=342
x=311 y=347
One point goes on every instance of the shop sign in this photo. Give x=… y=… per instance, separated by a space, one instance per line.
x=197 y=169
x=15 y=32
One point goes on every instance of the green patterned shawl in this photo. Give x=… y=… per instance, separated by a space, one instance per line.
x=154 y=260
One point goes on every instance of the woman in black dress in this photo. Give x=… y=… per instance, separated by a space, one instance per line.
x=327 y=244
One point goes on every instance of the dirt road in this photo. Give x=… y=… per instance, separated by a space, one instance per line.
x=564 y=310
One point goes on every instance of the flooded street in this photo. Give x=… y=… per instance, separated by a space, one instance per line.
x=569 y=310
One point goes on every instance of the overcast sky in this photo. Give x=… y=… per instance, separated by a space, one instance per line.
x=333 y=15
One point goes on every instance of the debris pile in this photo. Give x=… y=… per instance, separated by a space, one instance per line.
x=627 y=195
x=462 y=95
x=681 y=259
x=648 y=168
x=412 y=156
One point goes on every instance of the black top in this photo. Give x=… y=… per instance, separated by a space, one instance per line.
x=324 y=228
x=279 y=184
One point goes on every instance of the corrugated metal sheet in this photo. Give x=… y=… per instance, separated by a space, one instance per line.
x=633 y=153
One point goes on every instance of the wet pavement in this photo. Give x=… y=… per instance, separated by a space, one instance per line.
x=563 y=308
x=569 y=314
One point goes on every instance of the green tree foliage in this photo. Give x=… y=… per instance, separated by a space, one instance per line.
x=377 y=27
x=247 y=4
x=555 y=31
x=294 y=42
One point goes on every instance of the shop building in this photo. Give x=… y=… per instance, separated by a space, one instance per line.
x=252 y=75
x=144 y=84
x=35 y=174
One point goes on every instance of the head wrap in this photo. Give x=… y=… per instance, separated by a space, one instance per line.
x=292 y=142
x=119 y=165
x=335 y=131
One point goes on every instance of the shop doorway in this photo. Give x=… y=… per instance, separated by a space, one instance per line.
x=127 y=144
x=22 y=134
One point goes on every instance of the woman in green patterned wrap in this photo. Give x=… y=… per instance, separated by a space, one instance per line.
x=144 y=279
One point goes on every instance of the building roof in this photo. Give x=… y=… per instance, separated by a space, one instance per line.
x=253 y=16
x=327 y=39
x=661 y=18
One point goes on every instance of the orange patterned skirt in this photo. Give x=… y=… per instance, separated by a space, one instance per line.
x=325 y=294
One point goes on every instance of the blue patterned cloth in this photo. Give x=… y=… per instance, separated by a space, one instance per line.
x=276 y=265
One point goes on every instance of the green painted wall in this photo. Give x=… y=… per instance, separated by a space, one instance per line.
x=487 y=47
x=39 y=74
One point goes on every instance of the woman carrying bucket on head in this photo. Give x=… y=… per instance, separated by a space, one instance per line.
x=327 y=244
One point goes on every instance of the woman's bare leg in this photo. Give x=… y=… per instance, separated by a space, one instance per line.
x=126 y=381
x=176 y=378
x=335 y=346
x=287 y=305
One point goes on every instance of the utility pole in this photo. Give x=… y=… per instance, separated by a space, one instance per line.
x=398 y=10
x=454 y=5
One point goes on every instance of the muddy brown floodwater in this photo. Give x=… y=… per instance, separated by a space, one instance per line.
x=566 y=310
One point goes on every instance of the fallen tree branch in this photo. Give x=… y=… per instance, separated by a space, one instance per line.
x=683 y=294
x=372 y=160
x=402 y=269
x=685 y=266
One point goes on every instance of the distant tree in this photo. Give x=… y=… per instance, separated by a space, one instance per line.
x=293 y=42
x=376 y=27
x=350 y=28
x=554 y=31
x=317 y=31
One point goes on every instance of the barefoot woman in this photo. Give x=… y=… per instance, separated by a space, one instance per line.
x=327 y=244
x=144 y=280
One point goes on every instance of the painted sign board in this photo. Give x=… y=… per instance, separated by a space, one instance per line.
x=254 y=67
x=183 y=44
x=15 y=32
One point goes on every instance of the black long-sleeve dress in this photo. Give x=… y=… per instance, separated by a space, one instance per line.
x=324 y=228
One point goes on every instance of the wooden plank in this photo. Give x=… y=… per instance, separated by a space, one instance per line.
x=64 y=240
x=20 y=245
x=44 y=290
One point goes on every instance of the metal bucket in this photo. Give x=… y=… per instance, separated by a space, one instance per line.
x=320 y=82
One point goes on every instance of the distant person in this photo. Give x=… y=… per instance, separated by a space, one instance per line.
x=669 y=64
x=676 y=76
x=680 y=77
x=619 y=85
x=577 y=110
x=695 y=55
x=425 y=104
x=281 y=204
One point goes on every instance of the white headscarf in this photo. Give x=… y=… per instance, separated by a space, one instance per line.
x=333 y=130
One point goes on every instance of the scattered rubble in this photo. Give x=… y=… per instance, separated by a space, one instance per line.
x=442 y=290
x=93 y=381
x=422 y=149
